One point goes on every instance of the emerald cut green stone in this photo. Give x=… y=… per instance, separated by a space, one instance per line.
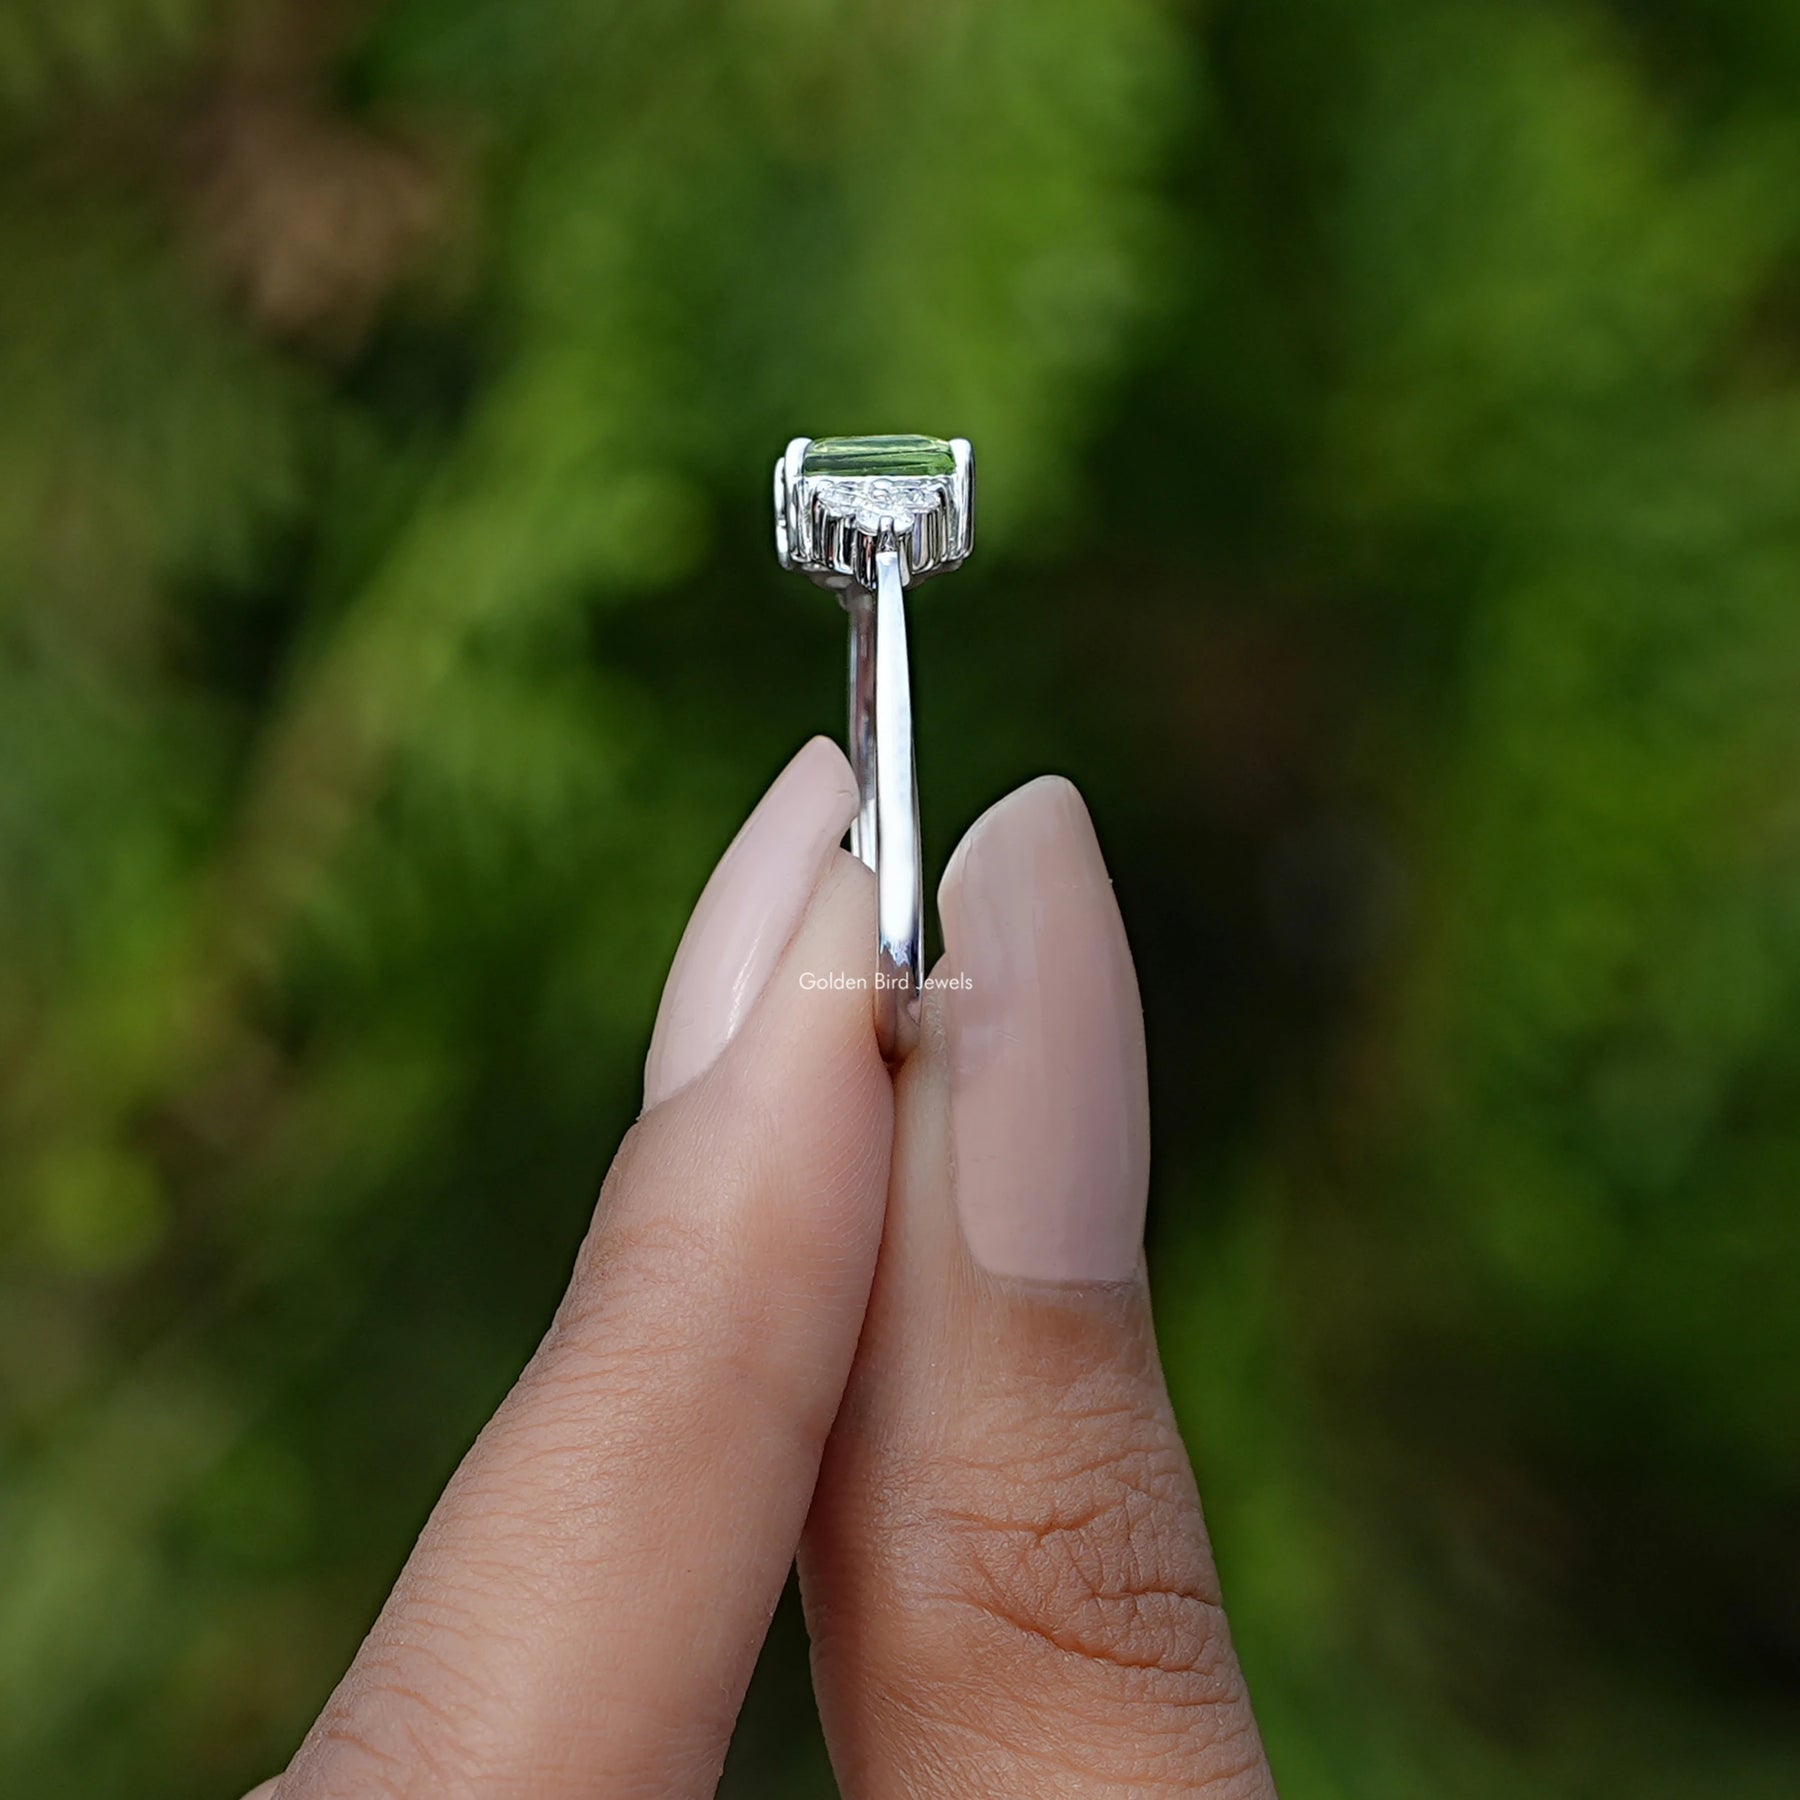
x=879 y=456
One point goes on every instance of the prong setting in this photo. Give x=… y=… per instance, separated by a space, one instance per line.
x=832 y=525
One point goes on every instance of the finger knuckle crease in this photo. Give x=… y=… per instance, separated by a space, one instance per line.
x=393 y=1747
x=1107 y=1567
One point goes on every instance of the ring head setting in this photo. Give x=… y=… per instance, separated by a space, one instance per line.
x=840 y=501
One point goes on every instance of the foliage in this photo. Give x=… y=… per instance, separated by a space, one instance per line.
x=1390 y=425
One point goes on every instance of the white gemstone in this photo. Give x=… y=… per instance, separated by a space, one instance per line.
x=876 y=502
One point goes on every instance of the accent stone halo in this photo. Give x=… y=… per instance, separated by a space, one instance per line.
x=874 y=503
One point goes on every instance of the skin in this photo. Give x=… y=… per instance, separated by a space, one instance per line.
x=776 y=1343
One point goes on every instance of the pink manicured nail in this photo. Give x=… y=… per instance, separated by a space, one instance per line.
x=748 y=915
x=1049 y=1106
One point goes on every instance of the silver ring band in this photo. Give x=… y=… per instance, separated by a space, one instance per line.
x=885 y=832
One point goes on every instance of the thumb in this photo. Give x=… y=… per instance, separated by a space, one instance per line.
x=1006 y=1573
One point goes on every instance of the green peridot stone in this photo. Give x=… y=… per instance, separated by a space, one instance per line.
x=878 y=456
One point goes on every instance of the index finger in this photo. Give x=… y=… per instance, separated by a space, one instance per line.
x=584 y=1606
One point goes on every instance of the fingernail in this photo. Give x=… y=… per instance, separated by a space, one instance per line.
x=1049 y=1105
x=747 y=916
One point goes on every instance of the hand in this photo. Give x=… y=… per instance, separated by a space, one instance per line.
x=899 y=1327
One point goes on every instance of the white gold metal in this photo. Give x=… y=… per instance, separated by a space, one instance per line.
x=870 y=538
x=898 y=865
x=861 y=730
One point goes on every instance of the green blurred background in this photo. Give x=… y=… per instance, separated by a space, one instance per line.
x=1389 y=417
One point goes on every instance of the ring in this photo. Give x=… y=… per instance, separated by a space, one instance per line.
x=870 y=517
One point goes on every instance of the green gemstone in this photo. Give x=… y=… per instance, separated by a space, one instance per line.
x=879 y=456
